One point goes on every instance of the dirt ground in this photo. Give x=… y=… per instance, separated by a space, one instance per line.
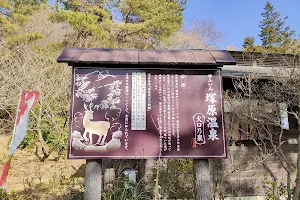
x=26 y=171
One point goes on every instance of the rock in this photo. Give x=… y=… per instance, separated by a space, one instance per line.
x=77 y=144
x=76 y=134
x=113 y=145
x=117 y=135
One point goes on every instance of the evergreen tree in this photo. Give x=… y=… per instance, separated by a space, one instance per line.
x=88 y=19
x=13 y=15
x=273 y=30
x=248 y=42
x=142 y=24
x=274 y=34
x=151 y=21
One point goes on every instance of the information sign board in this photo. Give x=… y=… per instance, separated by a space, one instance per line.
x=137 y=114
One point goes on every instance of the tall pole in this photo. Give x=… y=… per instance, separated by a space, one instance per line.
x=93 y=180
x=202 y=179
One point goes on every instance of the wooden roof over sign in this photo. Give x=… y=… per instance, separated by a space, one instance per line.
x=79 y=56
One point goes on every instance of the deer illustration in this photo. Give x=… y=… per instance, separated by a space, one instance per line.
x=99 y=128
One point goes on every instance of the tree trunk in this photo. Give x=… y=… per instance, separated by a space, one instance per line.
x=93 y=180
x=297 y=187
x=202 y=179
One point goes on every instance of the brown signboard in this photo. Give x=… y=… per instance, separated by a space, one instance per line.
x=140 y=114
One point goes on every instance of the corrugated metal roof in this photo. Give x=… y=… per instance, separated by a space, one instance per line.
x=75 y=56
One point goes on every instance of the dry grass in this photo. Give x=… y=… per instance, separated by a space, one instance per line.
x=35 y=180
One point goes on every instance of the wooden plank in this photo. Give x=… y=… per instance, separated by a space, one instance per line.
x=184 y=57
x=223 y=57
x=203 y=57
x=129 y=56
x=89 y=56
x=166 y=57
x=147 y=56
x=69 y=55
x=109 y=55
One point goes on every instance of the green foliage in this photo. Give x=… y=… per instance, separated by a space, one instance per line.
x=142 y=23
x=248 y=42
x=24 y=38
x=3 y=194
x=153 y=18
x=274 y=34
x=175 y=179
x=273 y=31
x=87 y=23
x=125 y=189
x=75 y=195
x=51 y=136
x=15 y=14
x=53 y=46
x=10 y=196
x=29 y=141
x=54 y=137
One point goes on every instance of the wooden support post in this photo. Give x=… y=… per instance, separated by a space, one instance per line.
x=202 y=179
x=93 y=180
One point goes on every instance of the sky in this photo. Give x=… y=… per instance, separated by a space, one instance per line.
x=238 y=19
